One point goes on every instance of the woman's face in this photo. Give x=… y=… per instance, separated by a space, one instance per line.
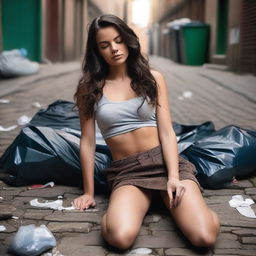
x=111 y=46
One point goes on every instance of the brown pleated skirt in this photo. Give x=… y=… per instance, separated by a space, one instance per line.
x=146 y=170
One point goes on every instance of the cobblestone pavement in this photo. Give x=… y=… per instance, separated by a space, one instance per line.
x=220 y=96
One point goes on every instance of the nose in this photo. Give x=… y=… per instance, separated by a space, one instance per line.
x=114 y=47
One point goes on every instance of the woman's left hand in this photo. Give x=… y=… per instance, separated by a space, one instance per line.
x=175 y=191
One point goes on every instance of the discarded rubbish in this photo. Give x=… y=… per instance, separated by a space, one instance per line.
x=2 y=228
x=140 y=251
x=22 y=120
x=187 y=94
x=4 y=101
x=15 y=217
x=31 y=240
x=38 y=186
x=36 y=104
x=243 y=206
x=1 y=198
x=223 y=155
x=7 y=129
x=14 y=63
x=55 y=205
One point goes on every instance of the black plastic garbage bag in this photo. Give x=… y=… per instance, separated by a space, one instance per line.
x=57 y=115
x=187 y=135
x=42 y=154
x=227 y=153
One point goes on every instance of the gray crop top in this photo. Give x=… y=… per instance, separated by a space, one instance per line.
x=117 y=117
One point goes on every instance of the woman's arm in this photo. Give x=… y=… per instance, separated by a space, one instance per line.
x=87 y=156
x=168 y=140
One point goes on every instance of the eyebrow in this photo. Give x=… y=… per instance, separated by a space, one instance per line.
x=107 y=41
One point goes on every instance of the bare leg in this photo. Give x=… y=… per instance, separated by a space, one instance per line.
x=197 y=222
x=122 y=221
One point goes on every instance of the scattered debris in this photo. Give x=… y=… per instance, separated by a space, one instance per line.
x=55 y=205
x=36 y=105
x=2 y=228
x=22 y=120
x=32 y=240
x=243 y=206
x=140 y=251
x=38 y=186
x=4 y=101
x=7 y=129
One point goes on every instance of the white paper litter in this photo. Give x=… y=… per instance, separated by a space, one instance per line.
x=243 y=206
x=7 y=129
x=2 y=228
x=187 y=94
x=36 y=105
x=4 y=101
x=15 y=217
x=1 y=198
x=55 y=205
x=140 y=251
x=22 y=120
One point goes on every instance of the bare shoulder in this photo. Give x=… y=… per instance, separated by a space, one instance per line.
x=159 y=79
x=157 y=75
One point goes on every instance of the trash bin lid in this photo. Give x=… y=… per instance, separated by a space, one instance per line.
x=196 y=24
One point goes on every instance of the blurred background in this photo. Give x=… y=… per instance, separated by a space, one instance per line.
x=190 y=32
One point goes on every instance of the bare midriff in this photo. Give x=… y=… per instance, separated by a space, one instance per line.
x=136 y=141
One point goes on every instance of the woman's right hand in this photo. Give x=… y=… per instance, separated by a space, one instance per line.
x=84 y=202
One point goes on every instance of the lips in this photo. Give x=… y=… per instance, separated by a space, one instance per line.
x=117 y=56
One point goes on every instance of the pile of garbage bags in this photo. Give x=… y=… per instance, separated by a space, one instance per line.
x=47 y=149
x=14 y=63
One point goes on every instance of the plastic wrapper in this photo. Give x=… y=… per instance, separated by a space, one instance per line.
x=31 y=241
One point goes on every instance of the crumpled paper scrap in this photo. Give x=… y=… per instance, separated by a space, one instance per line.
x=2 y=228
x=55 y=205
x=243 y=206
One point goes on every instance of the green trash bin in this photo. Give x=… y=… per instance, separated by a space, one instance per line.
x=194 y=40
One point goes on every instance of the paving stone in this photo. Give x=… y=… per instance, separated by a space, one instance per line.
x=249 y=240
x=222 y=192
x=74 y=217
x=36 y=214
x=93 y=238
x=234 y=252
x=45 y=192
x=245 y=232
x=6 y=211
x=248 y=247
x=4 y=193
x=226 y=240
x=185 y=252
x=81 y=227
x=241 y=184
x=164 y=224
x=84 y=251
x=159 y=239
x=152 y=218
x=9 y=228
x=239 y=223
x=250 y=191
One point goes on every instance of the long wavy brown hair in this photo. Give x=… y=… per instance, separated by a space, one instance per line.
x=95 y=69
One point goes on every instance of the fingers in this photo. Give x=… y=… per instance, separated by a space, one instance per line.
x=83 y=202
x=179 y=193
x=170 y=198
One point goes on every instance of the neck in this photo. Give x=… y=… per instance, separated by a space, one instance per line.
x=118 y=72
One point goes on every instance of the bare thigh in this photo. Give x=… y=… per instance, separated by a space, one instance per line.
x=198 y=223
x=122 y=221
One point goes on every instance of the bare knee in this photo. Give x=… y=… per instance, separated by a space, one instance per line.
x=207 y=236
x=204 y=239
x=121 y=237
